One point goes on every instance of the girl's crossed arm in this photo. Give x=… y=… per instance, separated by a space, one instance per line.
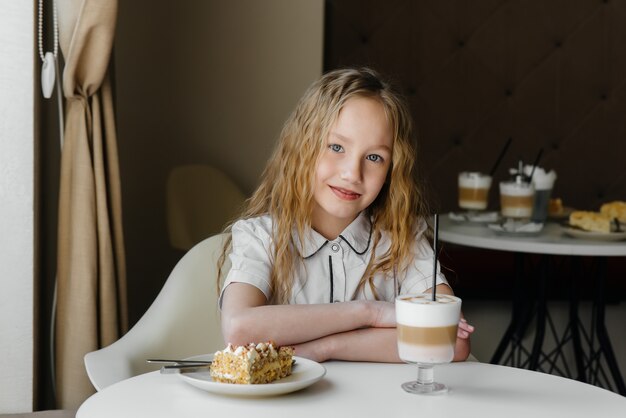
x=356 y=330
x=246 y=317
x=376 y=344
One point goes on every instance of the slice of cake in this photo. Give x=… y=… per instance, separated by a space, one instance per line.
x=252 y=363
x=590 y=221
x=614 y=210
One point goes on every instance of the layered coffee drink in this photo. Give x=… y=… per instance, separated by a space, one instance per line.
x=426 y=328
x=474 y=190
x=516 y=199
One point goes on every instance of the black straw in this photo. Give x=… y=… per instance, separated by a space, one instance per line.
x=502 y=152
x=435 y=239
x=532 y=171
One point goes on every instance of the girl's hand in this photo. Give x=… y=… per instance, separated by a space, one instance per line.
x=315 y=350
x=465 y=330
x=463 y=346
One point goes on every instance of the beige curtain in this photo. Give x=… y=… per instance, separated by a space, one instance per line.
x=91 y=270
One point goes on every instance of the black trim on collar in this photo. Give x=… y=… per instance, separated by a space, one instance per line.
x=316 y=251
x=369 y=240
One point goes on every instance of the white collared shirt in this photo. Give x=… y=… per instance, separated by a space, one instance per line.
x=331 y=270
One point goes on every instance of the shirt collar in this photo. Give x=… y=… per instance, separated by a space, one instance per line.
x=357 y=235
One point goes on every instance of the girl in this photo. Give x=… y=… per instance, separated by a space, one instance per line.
x=335 y=229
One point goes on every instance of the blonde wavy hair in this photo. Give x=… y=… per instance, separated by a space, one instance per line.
x=286 y=189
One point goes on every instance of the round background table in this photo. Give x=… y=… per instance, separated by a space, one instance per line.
x=549 y=242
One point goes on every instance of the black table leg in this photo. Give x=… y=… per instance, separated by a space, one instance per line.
x=599 y=304
x=541 y=314
x=517 y=312
x=574 y=321
x=525 y=307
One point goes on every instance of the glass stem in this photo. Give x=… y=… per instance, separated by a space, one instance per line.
x=425 y=374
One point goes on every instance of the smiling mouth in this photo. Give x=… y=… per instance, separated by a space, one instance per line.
x=345 y=194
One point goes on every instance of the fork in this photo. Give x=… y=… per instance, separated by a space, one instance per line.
x=180 y=366
x=177 y=362
x=184 y=368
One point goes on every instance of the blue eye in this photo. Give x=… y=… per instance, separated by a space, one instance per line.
x=374 y=158
x=335 y=148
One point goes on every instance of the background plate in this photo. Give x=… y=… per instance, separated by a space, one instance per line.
x=596 y=236
x=517 y=230
x=475 y=217
x=304 y=373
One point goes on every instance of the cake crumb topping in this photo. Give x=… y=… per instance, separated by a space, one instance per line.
x=252 y=363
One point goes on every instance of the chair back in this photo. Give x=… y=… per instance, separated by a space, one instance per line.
x=200 y=200
x=182 y=321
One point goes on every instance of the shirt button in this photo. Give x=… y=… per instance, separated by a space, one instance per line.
x=334 y=247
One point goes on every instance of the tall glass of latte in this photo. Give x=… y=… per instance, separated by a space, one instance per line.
x=427 y=336
x=474 y=190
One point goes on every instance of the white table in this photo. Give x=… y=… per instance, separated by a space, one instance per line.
x=368 y=390
x=552 y=241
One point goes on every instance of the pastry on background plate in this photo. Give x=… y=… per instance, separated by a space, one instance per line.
x=616 y=209
x=590 y=221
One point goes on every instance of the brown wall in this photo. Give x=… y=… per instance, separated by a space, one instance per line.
x=549 y=74
x=201 y=82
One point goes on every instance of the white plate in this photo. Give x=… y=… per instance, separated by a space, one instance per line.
x=474 y=217
x=305 y=372
x=518 y=229
x=595 y=236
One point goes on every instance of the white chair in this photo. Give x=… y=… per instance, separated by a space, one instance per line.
x=182 y=321
x=200 y=201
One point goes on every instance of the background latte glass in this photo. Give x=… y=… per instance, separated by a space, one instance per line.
x=516 y=199
x=474 y=190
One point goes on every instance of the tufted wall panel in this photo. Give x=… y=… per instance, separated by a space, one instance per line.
x=550 y=74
